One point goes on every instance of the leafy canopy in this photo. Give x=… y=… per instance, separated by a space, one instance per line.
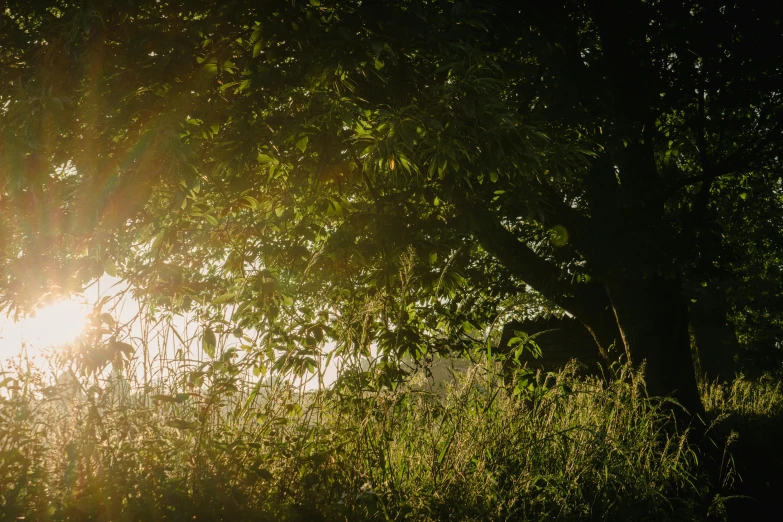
x=396 y=172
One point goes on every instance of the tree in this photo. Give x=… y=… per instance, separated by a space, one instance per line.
x=383 y=172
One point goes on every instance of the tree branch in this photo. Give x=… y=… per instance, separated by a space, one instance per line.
x=588 y=302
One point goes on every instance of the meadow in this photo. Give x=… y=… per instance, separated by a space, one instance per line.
x=211 y=443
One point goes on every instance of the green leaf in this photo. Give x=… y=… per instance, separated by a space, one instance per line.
x=256 y=35
x=558 y=236
x=211 y=67
x=264 y=474
x=377 y=47
x=109 y=267
x=209 y=341
x=302 y=144
x=160 y=397
x=225 y=298
x=125 y=348
x=252 y=202
x=227 y=86
x=157 y=240
x=229 y=66
x=180 y=424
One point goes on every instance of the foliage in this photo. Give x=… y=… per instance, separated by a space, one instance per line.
x=105 y=449
x=758 y=398
x=340 y=179
x=285 y=158
x=750 y=413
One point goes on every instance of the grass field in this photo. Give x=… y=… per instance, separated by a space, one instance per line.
x=205 y=445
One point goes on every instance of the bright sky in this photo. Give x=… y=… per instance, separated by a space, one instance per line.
x=61 y=323
x=55 y=325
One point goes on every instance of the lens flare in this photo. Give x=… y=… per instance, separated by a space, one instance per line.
x=56 y=324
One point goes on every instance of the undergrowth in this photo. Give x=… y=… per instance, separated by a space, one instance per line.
x=214 y=445
x=749 y=418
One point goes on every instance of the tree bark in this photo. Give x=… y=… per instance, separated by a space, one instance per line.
x=652 y=316
x=647 y=317
x=560 y=340
x=716 y=340
x=587 y=302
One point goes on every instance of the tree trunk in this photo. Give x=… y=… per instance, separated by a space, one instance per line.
x=653 y=318
x=650 y=316
x=716 y=340
x=587 y=302
x=560 y=340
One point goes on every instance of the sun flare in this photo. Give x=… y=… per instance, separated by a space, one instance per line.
x=57 y=324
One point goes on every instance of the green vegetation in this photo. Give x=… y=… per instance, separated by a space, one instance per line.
x=565 y=449
x=306 y=184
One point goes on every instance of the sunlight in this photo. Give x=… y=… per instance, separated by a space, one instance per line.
x=57 y=324
x=54 y=325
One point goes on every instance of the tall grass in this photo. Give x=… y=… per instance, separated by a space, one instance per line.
x=750 y=421
x=98 y=448
x=748 y=398
x=216 y=447
x=567 y=450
